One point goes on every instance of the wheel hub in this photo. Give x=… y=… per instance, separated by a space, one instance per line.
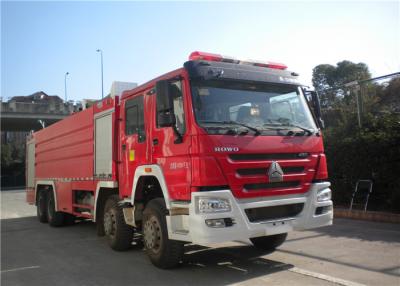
x=152 y=234
x=109 y=223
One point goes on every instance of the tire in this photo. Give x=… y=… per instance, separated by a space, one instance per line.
x=269 y=243
x=41 y=207
x=119 y=234
x=55 y=218
x=163 y=252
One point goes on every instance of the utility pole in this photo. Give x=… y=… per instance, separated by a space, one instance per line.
x=101 y=58
x=65 y=85
x=357 y=91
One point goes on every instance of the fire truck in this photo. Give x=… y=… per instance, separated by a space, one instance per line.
x=218 y=150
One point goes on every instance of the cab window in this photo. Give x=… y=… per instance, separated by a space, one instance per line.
x=134 y=118
x=177 y=94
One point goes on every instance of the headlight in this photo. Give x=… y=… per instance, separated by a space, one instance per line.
x=324 y=195
x=213 y=205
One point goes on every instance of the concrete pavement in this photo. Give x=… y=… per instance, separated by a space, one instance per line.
x=348 y=253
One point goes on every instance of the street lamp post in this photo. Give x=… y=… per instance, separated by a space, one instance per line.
x=65 y=85
x=102 y=86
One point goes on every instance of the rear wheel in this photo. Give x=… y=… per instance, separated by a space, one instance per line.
x=118 y=233
x=55 y=218
x=269 y=243
x=163 y=252
x=41 y=206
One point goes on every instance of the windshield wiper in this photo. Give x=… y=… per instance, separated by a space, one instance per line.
x=256 y=131
x=306 y=130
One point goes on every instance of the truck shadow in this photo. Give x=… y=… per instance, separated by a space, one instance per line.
x=68 y=249
x=225 y=265
x=362 y=230
x=79 y=246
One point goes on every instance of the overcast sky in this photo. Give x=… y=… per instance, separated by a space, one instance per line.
x=41 y=41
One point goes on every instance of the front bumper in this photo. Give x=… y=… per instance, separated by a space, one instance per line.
x=196 y=230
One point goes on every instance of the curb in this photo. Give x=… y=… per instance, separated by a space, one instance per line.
x=368 y=215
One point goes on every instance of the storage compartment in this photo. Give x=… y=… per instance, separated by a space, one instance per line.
x=103 y=146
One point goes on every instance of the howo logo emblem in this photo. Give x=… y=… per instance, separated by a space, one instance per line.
x=275 y=173
x=226 y=149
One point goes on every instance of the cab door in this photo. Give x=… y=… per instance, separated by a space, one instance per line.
x=133 y=142
x=171 y=150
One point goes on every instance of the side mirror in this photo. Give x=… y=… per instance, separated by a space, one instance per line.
x=317 y=108
x=165 y=105
x=313 y=100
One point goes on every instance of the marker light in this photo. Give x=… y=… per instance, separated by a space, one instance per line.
x=322 y=169
x=198 y=56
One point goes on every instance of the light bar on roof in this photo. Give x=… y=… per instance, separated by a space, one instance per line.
x=198 y=56
x=271 y=65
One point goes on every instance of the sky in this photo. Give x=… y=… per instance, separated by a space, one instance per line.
x=41 y=41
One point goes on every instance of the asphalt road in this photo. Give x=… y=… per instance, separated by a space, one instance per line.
x=348 y=253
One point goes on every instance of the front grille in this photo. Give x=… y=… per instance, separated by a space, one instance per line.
x=264 y=171
x=273 y=185
x=260 y=157
x=273 y=213
x=213 y=188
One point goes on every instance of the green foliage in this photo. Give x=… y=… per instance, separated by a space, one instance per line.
x=371 y=152
x=330 y=80
x=388 y=98
x=12 y=165
x=6 y=155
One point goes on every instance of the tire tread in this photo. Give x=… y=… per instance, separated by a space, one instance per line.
x=124 y=233
x=172 y=252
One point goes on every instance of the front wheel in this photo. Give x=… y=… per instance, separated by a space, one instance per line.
x=269 y=243
x=163 y=252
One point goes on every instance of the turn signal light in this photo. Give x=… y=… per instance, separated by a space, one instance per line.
x=322 y=169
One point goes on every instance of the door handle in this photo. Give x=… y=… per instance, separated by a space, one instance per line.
x=123 y=147
x=155 y=141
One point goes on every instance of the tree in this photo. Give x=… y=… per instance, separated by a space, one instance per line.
x=389 y=96
x=330 y=80
x=369 y=152
x=6 y=155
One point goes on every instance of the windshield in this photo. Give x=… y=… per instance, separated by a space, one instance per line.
x=266 y=108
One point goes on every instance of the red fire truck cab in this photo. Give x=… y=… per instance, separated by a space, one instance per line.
x=217 y=150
